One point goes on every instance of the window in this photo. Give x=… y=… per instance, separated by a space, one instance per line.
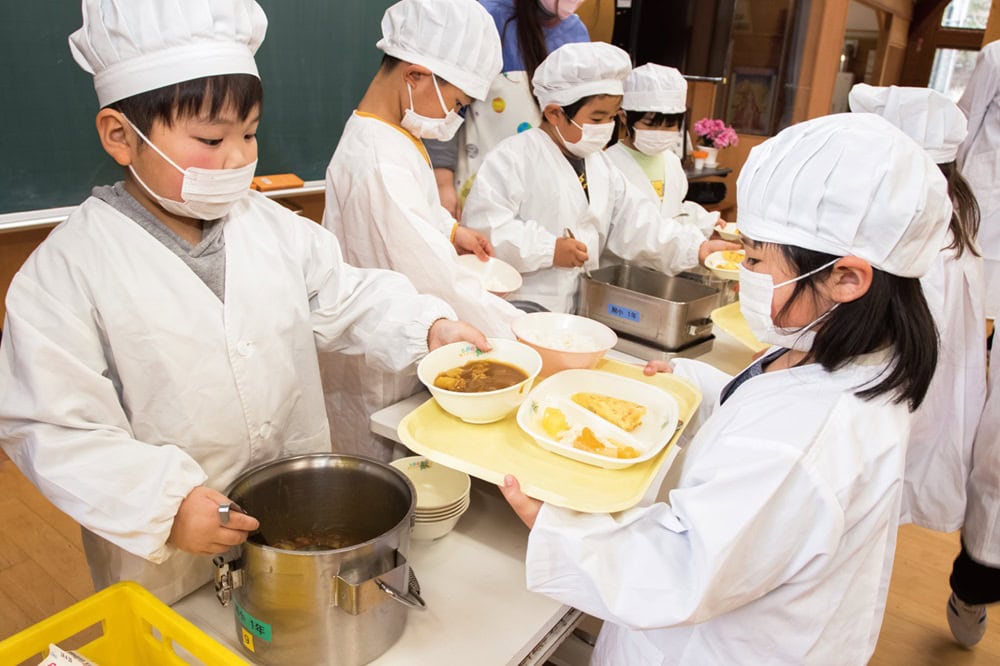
x=951 y=71
x=968 y=14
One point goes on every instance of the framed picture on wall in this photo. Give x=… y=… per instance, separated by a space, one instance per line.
x=751 y=99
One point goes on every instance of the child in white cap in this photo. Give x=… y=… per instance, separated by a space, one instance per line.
x=939 y=459
x=652 y=143
x=382 y=199
x=776 y=544
x=164 y=338
x=551 y=201
x=977 y=159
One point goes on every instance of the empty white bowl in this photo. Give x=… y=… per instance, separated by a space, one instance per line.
x=485 y=406
x=438 y=487
x=729 y=232
x=495 y=275
x=564 y=341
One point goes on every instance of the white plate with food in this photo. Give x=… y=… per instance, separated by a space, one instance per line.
x=726 y=263
x=598 y=418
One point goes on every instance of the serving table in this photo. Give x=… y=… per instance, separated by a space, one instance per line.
x=473 y=579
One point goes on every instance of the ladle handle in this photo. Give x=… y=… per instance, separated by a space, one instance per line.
x=411 y=599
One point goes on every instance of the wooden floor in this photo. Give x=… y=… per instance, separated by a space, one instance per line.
x=43 y=570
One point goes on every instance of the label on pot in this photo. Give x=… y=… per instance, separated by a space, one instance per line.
x=623 y=313
x=257 y=628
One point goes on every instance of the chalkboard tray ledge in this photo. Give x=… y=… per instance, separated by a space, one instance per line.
x=50 y=217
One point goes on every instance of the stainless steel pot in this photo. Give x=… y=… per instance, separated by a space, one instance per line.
x=670 y=312
x=345 y=605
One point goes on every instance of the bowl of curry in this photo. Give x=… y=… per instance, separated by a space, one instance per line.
x=478 y=386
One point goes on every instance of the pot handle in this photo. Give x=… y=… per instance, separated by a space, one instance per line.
x=356 y=596
x=699 y=327
x=412 y=597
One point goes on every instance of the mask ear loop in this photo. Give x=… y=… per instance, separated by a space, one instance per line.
x=151 y=144
x=823 y=316
x=444 y=107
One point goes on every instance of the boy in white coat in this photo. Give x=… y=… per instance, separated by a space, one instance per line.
x=777 y=543
x=164 y=338
x=551 y=201
x=382 y=198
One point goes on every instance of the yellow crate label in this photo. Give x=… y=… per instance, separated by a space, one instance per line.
x=247 y=639
x=253 y=625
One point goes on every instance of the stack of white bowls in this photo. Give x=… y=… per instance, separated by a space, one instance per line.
x=442 y=495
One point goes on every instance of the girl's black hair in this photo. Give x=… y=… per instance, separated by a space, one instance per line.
x=964 y=224
x=530 y=37
x=240 y=92
x=892 y=315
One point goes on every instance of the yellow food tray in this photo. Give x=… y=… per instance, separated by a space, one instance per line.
x=730 y=319
x=490 y=451
x=122 y=624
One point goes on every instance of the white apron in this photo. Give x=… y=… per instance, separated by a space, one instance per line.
x=125 y=382
x=382 y=203
x=940 y=450
x=775 y=547
x=981 y=532
x=675 y=187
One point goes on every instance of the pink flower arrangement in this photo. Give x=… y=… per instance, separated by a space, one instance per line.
x=715 y=133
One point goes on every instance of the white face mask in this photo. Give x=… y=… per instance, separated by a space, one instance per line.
x=595 y=137
x=654 y=142
x=561 y=8
x=207 y=194
x=756 y=296
x=437 y=129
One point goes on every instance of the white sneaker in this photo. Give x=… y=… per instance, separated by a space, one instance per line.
x=967 y=622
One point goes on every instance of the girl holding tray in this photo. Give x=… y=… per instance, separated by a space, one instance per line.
x=777 y=543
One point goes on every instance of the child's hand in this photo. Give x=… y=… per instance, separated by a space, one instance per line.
x=710 y=246
x=570 y=253
x=656 y=366
x=525 y=507
x=468 y=241
x=446 y=331
x=197 y=528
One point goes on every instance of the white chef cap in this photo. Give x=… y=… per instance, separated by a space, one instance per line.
x=655 y=88
x=135 y=46
x=455 y=39
x=578 y=70
x=924 y=115
x=847 y=184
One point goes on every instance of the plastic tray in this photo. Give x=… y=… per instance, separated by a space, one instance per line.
x=730 y=319
x=490 y=451
x=122 y=624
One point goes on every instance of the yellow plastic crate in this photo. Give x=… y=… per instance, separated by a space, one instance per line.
x=125 y=624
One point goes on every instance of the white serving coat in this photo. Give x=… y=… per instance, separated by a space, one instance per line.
x=981 y=532
x=125 y=382
x=979 y=161
x=940 y=451
x=526 y=193
x=382 y=203
x=675 y=188
x=775 y=547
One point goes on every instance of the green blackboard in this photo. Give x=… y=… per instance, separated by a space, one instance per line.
x=315 y=63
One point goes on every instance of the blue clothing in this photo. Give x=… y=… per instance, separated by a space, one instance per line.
x=568 y=31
